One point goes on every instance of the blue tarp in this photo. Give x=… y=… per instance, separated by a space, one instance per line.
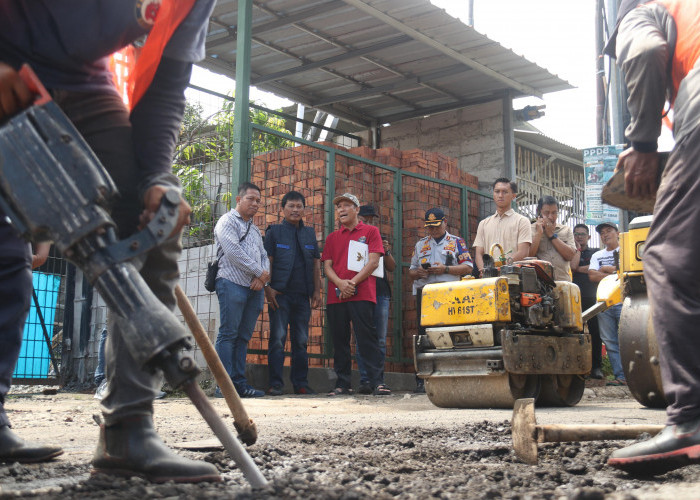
x=34 y=359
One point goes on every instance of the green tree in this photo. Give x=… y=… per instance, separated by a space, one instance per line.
x=205 y=140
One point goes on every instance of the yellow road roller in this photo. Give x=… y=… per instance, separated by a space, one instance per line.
x=638 y=348
x=514 y=334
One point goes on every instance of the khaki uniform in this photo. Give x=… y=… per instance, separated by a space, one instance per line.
x=509 y=230
x=547 y=251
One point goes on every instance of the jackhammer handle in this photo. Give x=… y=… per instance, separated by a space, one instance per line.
x=595 y=432
x=244 y=424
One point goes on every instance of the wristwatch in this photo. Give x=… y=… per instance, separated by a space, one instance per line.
x=447 y=269
x=553 y=237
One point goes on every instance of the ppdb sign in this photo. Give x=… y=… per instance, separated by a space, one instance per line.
x=598 y=167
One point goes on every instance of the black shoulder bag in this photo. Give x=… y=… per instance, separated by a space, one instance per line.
x=213 y=267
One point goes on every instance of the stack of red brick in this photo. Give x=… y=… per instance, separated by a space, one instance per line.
x=304 y=169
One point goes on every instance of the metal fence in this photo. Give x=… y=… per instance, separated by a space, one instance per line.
x=40 y=355
x=400 y=187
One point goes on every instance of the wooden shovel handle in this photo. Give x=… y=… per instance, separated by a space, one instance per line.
x=243 y=423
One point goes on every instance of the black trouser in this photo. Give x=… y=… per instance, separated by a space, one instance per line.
x=15 y=296
x=361 y=314
x=103 y=121
x=671 y=270
x=596 y=342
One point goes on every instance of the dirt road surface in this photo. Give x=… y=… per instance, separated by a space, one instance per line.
x=316 y=447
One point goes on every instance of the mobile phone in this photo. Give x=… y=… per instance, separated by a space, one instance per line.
x=337 y=292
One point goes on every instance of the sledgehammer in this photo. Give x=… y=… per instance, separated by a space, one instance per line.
x=245 y=426
x=526 y=433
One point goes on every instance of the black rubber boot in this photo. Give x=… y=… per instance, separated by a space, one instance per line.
x=132 y=448
x=13 y=449
x=675 y=446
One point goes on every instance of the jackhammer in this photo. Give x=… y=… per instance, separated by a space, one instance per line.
x=54 y=188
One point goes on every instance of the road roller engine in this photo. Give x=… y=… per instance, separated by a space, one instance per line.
x=516 y=333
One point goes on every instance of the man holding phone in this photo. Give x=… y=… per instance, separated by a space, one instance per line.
x=437 y=258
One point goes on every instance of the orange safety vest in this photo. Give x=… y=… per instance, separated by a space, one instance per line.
x=686 y=14
x=141 y=65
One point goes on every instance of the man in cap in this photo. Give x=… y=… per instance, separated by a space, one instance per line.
x=506 y=227
x=658 y=49
x=381 y=315
x=437 y=258
x=604 y=263
x=352 y=296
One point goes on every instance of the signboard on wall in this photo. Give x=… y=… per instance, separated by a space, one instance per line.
x=598 y=166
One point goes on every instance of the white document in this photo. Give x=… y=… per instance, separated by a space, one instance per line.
x=358 y=256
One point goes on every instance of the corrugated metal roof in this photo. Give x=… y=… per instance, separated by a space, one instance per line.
x=372 y=60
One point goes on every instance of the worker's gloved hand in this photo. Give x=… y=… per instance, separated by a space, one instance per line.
x=14 y=93
x=151 y=202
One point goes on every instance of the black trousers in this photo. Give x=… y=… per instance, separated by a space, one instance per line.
x=361 y=314
x=671 y=270
x=596 y=342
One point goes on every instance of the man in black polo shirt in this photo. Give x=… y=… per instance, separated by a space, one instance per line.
x=579 y=267
x=294 y=288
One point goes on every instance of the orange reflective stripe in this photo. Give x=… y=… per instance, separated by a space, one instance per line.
x=170 y=15
x=686 y=14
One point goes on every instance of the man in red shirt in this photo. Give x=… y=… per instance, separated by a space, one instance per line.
x=351 y=296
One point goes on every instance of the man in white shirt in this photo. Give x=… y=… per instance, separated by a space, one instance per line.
x=506 y=227
x=604 y=263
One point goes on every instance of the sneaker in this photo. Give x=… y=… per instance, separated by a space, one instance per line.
x=675 y=446
x=275 y=390
x=597 y=373
x=420 y=387
x=250 y=392
x=217 y=393
x=161 y=395
x=101 y=391
x=365 y=388
x=304 y=389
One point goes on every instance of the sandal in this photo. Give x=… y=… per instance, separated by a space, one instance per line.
x=618 y=382
x=340 y=391
x=382 y=390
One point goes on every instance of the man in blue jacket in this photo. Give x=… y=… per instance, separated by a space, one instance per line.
x=294 y=288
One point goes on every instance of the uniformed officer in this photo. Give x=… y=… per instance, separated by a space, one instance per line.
x=437 y=258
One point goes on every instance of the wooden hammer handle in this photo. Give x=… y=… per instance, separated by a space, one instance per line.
x=233 y=400
x=599 y=432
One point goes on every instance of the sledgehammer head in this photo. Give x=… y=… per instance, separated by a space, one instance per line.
x=524 y=430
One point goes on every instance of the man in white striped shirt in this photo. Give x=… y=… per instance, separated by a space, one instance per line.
x=244 y=270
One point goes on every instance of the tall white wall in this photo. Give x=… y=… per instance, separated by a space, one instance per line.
x=474 y=135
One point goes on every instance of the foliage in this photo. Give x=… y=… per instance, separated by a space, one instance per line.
x=205 y=140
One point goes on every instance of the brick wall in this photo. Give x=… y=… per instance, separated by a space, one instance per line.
x=304 y=169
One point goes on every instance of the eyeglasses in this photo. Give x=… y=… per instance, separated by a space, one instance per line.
x=580 y=234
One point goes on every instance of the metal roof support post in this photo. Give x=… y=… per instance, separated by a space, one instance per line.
x=241 y=126
x=508 y=138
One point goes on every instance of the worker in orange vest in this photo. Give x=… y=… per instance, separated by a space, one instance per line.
x=68 y=45
x=657 y=45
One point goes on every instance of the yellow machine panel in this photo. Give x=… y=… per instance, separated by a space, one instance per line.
x=632 y=246
x=568 y=297
x=465 y=302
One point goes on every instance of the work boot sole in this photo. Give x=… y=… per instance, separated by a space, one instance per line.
x=659 y=463
x=32 y=460
x=158 y=479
